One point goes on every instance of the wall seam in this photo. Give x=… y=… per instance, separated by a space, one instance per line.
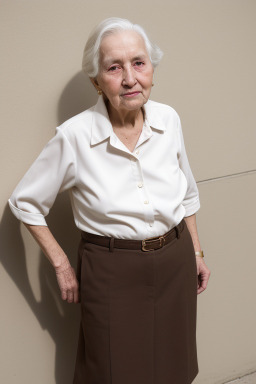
x=232 y=175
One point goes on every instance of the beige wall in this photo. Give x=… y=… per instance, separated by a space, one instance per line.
x=208 y=76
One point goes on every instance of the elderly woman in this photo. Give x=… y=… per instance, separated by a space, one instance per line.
x=134 y=200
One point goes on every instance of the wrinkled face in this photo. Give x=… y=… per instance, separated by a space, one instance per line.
x=125 y=71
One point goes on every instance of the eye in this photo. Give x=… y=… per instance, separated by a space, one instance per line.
x=139 y=63
x=113 y=68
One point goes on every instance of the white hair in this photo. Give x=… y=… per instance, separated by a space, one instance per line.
x=90 y=63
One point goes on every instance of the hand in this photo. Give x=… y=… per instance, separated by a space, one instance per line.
x=68 y=283
x=203 y=274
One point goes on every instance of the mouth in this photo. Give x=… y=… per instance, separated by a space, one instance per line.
x=131 y=94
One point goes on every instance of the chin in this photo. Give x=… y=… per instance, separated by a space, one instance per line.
x=135 y=104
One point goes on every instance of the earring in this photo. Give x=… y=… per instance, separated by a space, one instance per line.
x=99 y=92
x=153 y=84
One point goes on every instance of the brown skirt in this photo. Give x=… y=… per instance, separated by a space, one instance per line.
x=138 y=314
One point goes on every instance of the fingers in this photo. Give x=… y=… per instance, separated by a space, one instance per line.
x=203 y=283
x=70 y=297
x=76 y=296
x=68 y=285
x=203 y=275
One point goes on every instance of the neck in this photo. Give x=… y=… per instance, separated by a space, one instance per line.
x=124 y=118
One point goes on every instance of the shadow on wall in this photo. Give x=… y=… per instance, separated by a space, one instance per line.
x=78 y=95
x=59 y=318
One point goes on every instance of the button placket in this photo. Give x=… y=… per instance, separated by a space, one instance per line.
x=141 y=188
x=143 y=194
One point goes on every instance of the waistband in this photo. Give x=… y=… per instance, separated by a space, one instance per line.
x=149 y=244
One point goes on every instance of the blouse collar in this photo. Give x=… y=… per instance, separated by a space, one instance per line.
x=102 y=127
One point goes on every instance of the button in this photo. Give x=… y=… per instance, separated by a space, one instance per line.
x=137 y=152
x=140 y=185
x=150 y=224
x=146 y=202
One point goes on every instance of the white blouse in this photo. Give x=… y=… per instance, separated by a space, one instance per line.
x=114 y=192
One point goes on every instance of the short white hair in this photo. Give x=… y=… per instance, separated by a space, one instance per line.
x=90 y=63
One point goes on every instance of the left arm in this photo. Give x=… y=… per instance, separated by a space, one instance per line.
x=203 y=271
x=191 y=204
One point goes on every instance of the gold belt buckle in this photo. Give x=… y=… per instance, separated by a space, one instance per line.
x=161 y=240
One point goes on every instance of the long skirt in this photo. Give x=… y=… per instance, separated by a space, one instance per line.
x=138 y=314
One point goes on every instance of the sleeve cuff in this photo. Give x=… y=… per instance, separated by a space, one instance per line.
x=192 y=208
x=26 y=217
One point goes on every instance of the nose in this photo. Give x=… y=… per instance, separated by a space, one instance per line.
x=129 y=78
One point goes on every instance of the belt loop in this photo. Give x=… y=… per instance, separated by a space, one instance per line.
x=177 y=232
x=111 y=244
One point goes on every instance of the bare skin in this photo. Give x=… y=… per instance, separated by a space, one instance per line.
x=125 y=79
x=65 y=274
x=203 y=271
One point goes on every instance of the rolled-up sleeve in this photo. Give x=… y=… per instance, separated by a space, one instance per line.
x=51 y=173
x=191 y=200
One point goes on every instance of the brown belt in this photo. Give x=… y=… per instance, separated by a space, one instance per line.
x=149 y=244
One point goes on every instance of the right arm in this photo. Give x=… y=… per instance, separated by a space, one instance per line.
x=52 y=172
x=65 y=274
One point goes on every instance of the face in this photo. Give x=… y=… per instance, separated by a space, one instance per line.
x=125 y=71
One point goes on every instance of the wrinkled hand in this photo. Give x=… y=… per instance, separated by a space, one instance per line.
x=68 y=283
x=203 y=274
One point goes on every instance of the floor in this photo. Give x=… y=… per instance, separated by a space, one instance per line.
x=248 y=379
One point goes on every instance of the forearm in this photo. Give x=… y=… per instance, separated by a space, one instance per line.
x=49 y=245
x=64 y=272
x=192 y=227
